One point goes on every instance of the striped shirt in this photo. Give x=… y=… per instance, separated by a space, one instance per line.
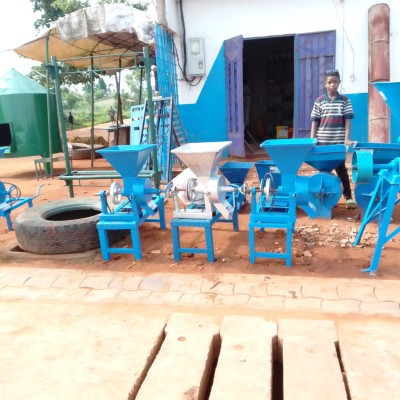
x=331 y=116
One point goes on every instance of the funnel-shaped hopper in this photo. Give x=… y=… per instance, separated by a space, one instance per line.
x=201 y=158
x=326 y=158
x=126 y=159
x=236 y=172
x=288 y=155
x=390 y=92
x=2 y=150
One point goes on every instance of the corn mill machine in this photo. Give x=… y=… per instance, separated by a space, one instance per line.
x=137 y=201
x=376 y=174
x=10 y=197
x=202 y=196
x=383 y=196
x=281 y=190
x=236 y=173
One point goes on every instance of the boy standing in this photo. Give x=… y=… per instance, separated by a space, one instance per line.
x=331 y=121
x=71 y=121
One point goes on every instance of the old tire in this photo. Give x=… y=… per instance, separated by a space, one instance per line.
x=59 y=227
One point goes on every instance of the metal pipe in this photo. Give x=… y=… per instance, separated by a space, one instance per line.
x=61 y=122
x=152 y=133
x=378 y=71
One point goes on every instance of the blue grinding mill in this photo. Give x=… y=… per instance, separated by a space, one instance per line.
x=382 y=202
x=275 y=207
x=236 y=173
x=204 y=194
x=142 y=200
x=316 y=194
x=366 y=164
x=321 y=191
x=10 y=198
x=376 y=173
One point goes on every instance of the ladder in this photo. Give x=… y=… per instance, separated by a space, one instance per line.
x=170 y=133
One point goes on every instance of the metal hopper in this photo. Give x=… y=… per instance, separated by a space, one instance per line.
x=128 y=160
x=326 y=158
x=202 y=158
x=390 y=92
x=288 y=156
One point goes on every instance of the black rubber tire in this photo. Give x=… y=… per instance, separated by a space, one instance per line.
x=37 y=234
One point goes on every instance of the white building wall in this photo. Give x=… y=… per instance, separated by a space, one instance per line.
x=217 y=20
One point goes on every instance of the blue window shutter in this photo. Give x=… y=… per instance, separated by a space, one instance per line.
x=315 y=54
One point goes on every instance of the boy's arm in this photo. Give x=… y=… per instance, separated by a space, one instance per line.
x=314 y=127
x=347 y=127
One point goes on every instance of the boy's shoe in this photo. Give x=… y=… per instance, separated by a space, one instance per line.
x=350 y=203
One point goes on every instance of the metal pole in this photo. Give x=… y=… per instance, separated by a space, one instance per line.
x=152 y=134
x=61 y=123
x=49 y=132
x=92 y=120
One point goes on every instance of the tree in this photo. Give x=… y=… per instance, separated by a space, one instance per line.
x=51 y=10
x=140 y=6
x=137 y=85
x=66 y=75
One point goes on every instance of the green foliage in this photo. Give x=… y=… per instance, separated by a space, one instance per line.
x=137 y=85
x=68 y=75
x=51 y=10
x=80 y=103
x=139 y=5
x=80 y=106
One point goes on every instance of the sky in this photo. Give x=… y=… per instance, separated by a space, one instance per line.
x=16 y=28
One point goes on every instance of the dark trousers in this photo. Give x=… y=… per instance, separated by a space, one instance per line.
x=342 y=173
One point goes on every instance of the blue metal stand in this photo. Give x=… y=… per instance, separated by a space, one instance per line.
x=381 y=206
x=142 y=200
x=278 y=214
x=127 y=217
x=206 y=224
x=10 y=201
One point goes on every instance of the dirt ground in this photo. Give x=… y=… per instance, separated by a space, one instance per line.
x=321 y=247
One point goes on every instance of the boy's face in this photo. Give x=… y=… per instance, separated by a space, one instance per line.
x=332 y=84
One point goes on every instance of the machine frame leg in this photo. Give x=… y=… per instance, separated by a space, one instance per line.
x=383 y=226
x=177 y=223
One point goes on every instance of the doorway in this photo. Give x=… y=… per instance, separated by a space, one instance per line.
x=268 y=86
x=5 y=135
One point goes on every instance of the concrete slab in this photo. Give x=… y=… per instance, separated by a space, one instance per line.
x=80 y=351
x=183 y=366
x=289 y=328
x=311 y=367
x=244 y=369
x=371 y=359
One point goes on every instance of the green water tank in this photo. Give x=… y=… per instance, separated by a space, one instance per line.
x=24 y=123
